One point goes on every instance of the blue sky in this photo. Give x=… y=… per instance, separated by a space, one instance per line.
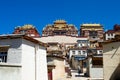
x=42 y=12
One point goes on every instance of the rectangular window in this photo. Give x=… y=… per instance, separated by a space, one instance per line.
x=3 y=56
x=109 y=38
x=79 y=45
x=93 y=37
x=73 y=52
x=111 y=34
x=3 y=53
x=79 y=52
x=84 y=64
x=100 y=52
x=93 y=33
x=84 y=52
x=97 y=61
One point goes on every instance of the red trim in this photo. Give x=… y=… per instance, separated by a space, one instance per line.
x=50 y=75
x=110 y=31
x=67 y=35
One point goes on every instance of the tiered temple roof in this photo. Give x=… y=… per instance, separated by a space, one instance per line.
x=91 y=26
x=25 y=27
x=28 y=29
x=60 y=27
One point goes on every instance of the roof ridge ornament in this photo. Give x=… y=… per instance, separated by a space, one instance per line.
x=26 y=26
x=60 y=21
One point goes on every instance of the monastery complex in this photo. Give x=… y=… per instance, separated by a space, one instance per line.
x=61 y=52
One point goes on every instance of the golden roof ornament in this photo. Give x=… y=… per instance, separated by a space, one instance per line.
x=93 y=28
x=49 y=25
x=91 y=24
x=59 y=21
x=27 y=26
x=71 y=25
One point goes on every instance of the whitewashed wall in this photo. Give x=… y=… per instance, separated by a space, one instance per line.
x=24 y=53
x=41 y=64
x=109 y=36
x=10 y=72
x=15 y=50
x=95 y=73
x=99 y=51
x=28 y=60
x=59 y=70
x=34 y=64
x=76 y=53
x=61 y=39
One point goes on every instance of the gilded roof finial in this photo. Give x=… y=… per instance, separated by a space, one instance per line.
x=60 y=21
x=26 y=26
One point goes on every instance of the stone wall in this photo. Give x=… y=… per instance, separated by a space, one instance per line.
x=14 y=51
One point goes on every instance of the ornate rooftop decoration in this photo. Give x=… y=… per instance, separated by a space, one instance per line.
x=71 y=25
x=60 y=27
x=117 y=27
x=28 y=30
x=110 y=31
x=59 y=21
x=91 y=24
x=28 y=26
x=49 y=25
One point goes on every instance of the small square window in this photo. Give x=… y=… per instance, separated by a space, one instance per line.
x=111 y=34
x=100 y=52
x=93 y=37
x=3 y=56
x=79 y=52
x=73 y=52
x=3 y=53
x=84 y=52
